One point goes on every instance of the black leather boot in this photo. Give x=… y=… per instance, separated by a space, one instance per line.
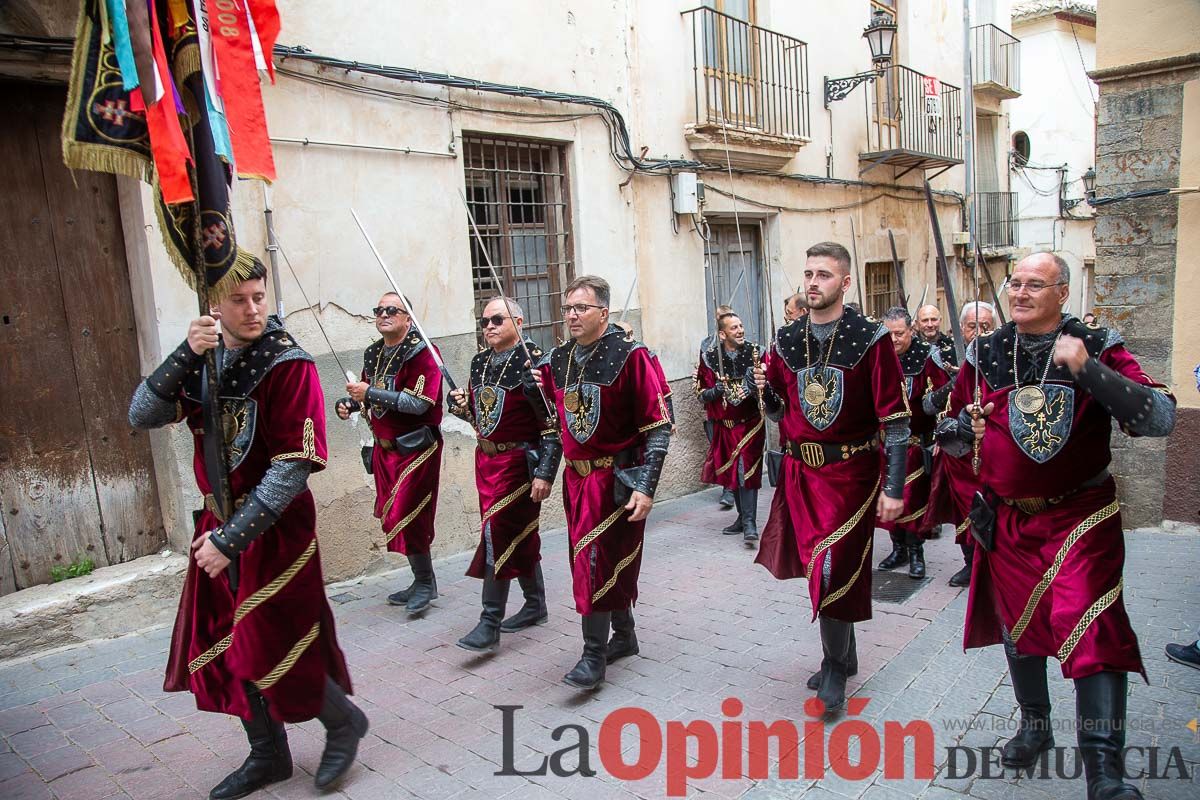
x=589 y=672
x=814 y=682
x=401 y=597
x=727 y=498
x=835 y=642
x=486 y=634
x=345 y=725
x=424 y=588
x=899 y=555
x=1033 y=696
x=736 y=527
x=534 y=611
x=269 y=761
x=624 y=640
x=916 y=556
x=749 y=515
x=1100 y=721
x=963 y=576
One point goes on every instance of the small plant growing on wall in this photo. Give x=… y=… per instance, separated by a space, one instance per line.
x=75 y=569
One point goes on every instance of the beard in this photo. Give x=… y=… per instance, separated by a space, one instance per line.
x=825 y=302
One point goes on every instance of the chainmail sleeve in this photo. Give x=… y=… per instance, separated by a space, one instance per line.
x=148 y=411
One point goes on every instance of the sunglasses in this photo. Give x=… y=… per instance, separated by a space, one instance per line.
x=387 y=311
x=495 y=319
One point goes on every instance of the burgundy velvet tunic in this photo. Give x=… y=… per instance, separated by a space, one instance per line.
x=739 y=434
x=827 y=513
x=616 y=398
x=277 y=632
x=406 y=484
x=504 y=416
x=1054 y=580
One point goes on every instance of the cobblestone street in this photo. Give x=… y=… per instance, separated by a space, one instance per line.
x=92 y=722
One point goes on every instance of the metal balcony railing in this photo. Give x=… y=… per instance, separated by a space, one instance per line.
x=748 y=78
x=996 y=213
x=997 y=59
x=906 y=129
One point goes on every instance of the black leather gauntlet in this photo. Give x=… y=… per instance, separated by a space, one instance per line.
x=934 y=402
x=167 y=380
x=772 y=404
x=713 y=394
x=954 y=434
x=247 y=524
x=897 y=461
x=350 y=403
x=657 y=441
x=549 y=454
x=1130 y=403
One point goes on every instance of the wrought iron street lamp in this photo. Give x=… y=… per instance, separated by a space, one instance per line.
x=880 y=36
x=1089 y=184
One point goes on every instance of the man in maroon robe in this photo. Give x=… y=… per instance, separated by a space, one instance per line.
x=254 y=636
x=728 y=498
x=832 y=379
x=954 y=480
x=725 y=385
x=400 y=395
x=922 y=374
x=515 y=462
x=615 y=429
x=1047 y=577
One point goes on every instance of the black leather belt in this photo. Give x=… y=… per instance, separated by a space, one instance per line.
x=818 y=454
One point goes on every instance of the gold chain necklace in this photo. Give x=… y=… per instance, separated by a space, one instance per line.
x=1031 y=399
x=381 y=382
x=487 y=393
x=814 y=385
x=571 y=397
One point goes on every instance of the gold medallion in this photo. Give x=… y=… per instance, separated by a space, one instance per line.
x=487 y=396
x=229 y=427
x=380 y=383
x=1029 y=399
x=814 y=393
x=571 y=401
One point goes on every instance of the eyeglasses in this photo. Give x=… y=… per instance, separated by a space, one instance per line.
x=387 y=311
x=579 y=309
x=494 y=319
x=1033 y=287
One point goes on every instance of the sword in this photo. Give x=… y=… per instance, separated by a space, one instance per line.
x=437 y=359
x=898 y=270
x=960 y=349
x=496 y=278
x=991 y=283
x=857 y=272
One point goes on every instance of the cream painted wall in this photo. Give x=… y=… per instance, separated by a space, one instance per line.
x=1186 y=334
x=1057 y=111
x=635 y=54
x=1135 y=31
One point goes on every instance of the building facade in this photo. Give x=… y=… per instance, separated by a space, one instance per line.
x=574 y=130
x=1148 y=138
x=1053 y=141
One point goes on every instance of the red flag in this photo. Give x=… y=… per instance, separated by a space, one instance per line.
x=240 y=90
x=168 y=146
x=266 y=24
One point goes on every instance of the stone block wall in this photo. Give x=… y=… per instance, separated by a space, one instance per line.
x=1138 y=138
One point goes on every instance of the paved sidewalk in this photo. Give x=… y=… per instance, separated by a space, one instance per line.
x=92 y=722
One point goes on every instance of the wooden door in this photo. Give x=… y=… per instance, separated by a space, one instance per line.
x=734 y=271
x=75 y=481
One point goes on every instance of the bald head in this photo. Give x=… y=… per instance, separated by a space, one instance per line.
x=1047 y=260
x=929 y=322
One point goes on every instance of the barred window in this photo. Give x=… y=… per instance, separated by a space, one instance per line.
x=518 y=193
x=881 y=288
